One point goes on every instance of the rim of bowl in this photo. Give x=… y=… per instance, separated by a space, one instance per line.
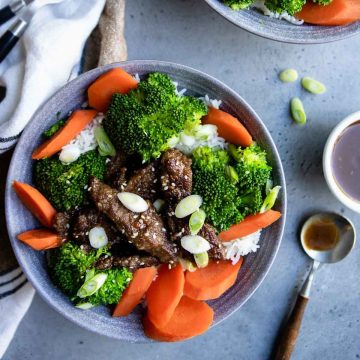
x=279 y=30
x=327 y=168
x=27 y=269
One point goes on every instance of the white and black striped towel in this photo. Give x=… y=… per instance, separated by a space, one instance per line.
x=40 y=64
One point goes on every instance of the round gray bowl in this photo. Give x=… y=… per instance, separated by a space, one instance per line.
x=19 y=219
x=281 y=30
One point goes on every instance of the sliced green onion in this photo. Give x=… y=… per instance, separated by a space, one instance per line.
x=187 y=206
x=288 y=75
x=159 y=204
x=92 y=285
x=85 y=306
x=106 y=148
x=69 y=154
x=98 y=237
x=232 y=174
x=187 y=265
x=268 y=186
x=173 y=141
x=196 y=221
x=234 y=152
x=89 y=274
x=133 y=202
x=297 y=111
x=313 y=86
x=202 y=260
x=270 y=199
x=194 y=244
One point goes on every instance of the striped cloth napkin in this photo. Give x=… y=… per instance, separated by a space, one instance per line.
x=46 y=58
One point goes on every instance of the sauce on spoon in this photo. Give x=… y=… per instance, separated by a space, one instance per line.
x=322 y=235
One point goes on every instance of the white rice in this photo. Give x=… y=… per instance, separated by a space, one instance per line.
x=85 y=140
x=260 y=5
x=242 y=246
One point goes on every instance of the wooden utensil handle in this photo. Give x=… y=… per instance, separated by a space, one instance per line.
x=288 y=336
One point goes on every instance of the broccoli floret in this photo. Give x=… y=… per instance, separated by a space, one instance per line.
x=65 y=185
x=69 y=265
x=219 y=194
x=322 y=2
x=238 y=4
x=289 y=6
x=54 y=128
x=144 y=120
x=251 y=167
x=251 y=202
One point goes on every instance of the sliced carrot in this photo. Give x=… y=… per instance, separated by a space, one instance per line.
x=164 y=294
x=229 y=127
x=137 y=288
x=211 y=281
x=76 y=122
x=249 y=225
x=40 y=239
x=338 y=12
x=190 y=318
x=102 y=89
x=36 y=203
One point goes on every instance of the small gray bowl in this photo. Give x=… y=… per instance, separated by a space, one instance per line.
x=19 y=219
x=281 y=30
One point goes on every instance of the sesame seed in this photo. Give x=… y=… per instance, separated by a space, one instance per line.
x=163 y=229
x=155 y=181
x=154 y=236
x=173 y=184
x=166 y=187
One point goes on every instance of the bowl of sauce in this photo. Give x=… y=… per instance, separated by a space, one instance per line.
x=341 y=161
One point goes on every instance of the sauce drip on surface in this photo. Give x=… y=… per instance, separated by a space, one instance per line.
x=346 y=161
x=321 y=235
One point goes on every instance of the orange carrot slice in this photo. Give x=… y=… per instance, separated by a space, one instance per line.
x=229 y=127
x=36 y=203
x=190 y=318
x=76 y=122
x=164 y=294
x=249 y=225
x=102 y=89
x=338 y=12
x=212 y=281
x=137 y=288
x=40 y=239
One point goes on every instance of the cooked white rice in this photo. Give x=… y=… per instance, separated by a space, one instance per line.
x=85 y=140
x=260 y=5
x=242 y=246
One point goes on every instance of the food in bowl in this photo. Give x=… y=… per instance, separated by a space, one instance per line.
x=318 y=12
x=160 y=198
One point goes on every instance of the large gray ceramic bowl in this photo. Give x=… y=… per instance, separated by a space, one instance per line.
x=281 y=30
x=33 y=263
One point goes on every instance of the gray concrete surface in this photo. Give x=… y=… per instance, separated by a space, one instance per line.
x=188 y=32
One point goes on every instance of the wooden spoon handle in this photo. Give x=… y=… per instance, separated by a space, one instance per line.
x=288 y=336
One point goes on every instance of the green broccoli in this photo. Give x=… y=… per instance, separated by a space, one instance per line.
x=69 y=266
x=65 y=185
x=54 y=128
x=144 y=120
x=281 y=6
x=238 y=4
x=322 y=2
x=251 y=202
x=219 y=194
x=251 y=166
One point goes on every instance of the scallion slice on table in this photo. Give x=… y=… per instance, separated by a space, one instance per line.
x=106 y=148
x=92 y=285
x=313 y=86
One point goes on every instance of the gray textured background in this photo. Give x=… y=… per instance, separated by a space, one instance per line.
x=189 y=32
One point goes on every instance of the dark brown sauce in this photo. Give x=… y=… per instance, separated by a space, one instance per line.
x=346 y=161
x=321 y=235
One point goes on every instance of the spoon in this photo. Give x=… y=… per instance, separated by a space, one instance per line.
x=344 y=236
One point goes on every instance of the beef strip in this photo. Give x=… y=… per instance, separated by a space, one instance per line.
x=144 y=182
x=62 y=223
x=116 y=171
x=146 y=230
x=176 y=175
x=132 y=262
x=180 y=227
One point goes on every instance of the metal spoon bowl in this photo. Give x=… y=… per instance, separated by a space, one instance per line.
x=346 y=242
x=347 y=238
